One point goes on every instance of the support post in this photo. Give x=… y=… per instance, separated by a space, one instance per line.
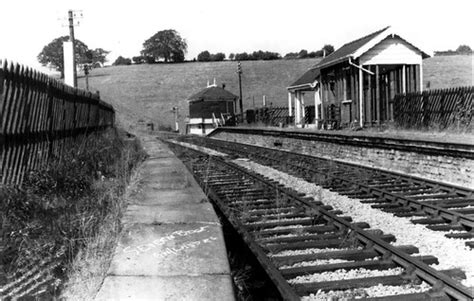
x=418 y=83
x=316 y=107
x=377 y=93
x=290 y=109
x=302 y=105
x=297 y=107
x=344 y=86
x=369 y=98
x=321 y=87
x=404 y=79
x=361 y=98
x=421 y=77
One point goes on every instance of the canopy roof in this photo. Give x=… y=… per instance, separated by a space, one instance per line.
x=306 y=81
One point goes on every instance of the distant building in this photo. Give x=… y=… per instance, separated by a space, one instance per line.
x=210 y=108
x=356 y=83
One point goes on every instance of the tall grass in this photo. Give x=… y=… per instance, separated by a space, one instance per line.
x=62 y=210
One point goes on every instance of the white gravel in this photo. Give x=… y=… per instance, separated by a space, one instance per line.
x=200 y=148
x=451 y=253
x=281 y=219
x=314 y=262
x=344 y=274
x=374 y=291
x=306 y=251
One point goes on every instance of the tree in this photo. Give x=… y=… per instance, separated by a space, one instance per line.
x=328 y=49
x=99 y=55
x=303 y=54
x=122 y=61
x=218 y=57
x=204 y=56
x=312 y=54
x=52 y=54
x=231 y=56
x=464 y=49
x=166 y=44
x=291 y=55
x=244 y=56
x=138 y=59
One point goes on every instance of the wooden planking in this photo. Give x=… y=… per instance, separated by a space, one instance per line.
x=39 y=117
x=435 y=108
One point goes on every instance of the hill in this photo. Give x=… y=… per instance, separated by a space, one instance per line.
x=149 y=92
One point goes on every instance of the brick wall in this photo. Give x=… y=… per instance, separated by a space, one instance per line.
x=448 y=169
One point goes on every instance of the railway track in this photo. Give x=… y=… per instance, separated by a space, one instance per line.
x=295 y=237
x=439 y=206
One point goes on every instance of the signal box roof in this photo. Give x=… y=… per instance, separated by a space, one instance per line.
x=213 y=93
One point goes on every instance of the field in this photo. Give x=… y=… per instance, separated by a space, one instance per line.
x=448 y=71
x=149 y=92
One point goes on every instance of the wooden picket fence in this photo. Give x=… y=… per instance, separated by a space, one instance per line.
x=440 y=109
x=274 y=116
x=40 y=117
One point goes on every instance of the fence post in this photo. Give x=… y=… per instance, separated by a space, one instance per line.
x=2 y=130
x=50 y=118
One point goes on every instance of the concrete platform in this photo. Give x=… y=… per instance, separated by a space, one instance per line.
x=172 y=246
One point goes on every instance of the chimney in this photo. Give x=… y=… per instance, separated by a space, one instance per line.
x=223 y=86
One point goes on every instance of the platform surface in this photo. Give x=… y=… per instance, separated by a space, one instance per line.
x=171 y=246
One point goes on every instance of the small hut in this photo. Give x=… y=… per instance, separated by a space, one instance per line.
x=356 y=84
x=209 y=108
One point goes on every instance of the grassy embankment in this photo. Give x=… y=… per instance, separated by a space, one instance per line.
x=61 y=226
x=149 y=92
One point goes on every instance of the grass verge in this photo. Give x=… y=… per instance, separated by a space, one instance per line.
x=65 y=219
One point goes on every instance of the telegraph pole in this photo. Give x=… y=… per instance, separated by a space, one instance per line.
x=71 y=39
x=239 y=71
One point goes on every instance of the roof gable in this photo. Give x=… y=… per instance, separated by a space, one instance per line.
x=358 y=47
x=213 y=94
x=349 y=49
x=392 y=50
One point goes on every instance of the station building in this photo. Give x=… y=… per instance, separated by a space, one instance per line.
x=356 y=84
x=209 y=108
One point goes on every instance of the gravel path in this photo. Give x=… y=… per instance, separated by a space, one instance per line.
x=451 y=253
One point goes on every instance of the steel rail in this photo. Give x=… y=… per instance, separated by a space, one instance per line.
x=451 y=216
x=414 y=266
x=463 y=150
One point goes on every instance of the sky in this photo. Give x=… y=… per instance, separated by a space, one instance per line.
x=121 y=27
